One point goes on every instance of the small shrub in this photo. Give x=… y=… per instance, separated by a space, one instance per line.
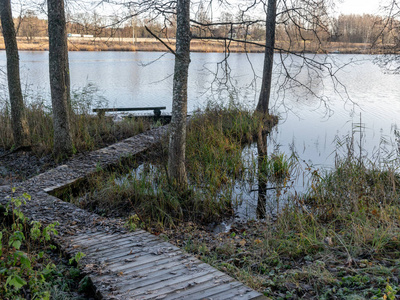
x=26 y=269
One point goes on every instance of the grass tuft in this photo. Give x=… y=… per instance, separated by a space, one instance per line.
x=88 y=131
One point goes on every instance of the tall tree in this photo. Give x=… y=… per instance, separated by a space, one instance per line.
x=177 y=142
x=388 y=39
x=304 y=25
x=19 y=126
x=263 y=101
x=58 y=81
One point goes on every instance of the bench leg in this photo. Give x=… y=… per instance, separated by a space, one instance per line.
x=157 y=112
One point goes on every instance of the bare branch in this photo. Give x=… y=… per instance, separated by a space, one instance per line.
x=160 y=40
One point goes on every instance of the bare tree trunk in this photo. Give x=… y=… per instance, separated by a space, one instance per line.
x=67 y=77
x=58 y=82
x=18 y=122
x=263 y=101
x=177 y=142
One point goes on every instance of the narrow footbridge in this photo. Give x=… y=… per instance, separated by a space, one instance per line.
x=121 y=264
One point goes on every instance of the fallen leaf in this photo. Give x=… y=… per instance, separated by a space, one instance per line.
x=257 y=241
x=349 y=261
x=328 y=241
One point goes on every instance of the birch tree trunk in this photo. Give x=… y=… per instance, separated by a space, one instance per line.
x=58 y=82
x=265 y=93
x=177 y=142
x=18 y=122
x=67 y=77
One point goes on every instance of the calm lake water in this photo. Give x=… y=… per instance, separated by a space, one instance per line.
x=129 y=79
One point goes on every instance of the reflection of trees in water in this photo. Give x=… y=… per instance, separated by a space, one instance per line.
x=387 y=41
x=263 y=179
x=262 y=152
x=274 y=178
x=262 y=194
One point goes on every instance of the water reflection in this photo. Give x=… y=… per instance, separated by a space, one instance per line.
x=264 y=196
x=261 y=211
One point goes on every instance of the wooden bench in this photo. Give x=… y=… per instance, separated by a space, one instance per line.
x=156 y=110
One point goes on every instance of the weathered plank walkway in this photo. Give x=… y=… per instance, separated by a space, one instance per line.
x=121 y=264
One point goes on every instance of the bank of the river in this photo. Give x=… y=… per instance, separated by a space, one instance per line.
x=338 y=240
x=150 y=44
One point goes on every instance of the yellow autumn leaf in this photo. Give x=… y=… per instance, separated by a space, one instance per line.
x=242 y=243
x=257 y=241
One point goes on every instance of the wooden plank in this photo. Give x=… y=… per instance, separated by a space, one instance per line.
x=150 y=280
x=108 y=238
x=123 y=254
x=236 y=291
x=166 y=262
x=117 y=243
x=84 y=241
x=83 y=235
x=86 y=236
x=158 y=275
x=141 y=260
x=128 y=109
x=235 y=294
x=187 y=292
x=95 y=242
x=169 y=285
x=177 y=291
x=129 y=241
x=143 y=270
x=220 y=288
x=206 y=293
x=128 y=250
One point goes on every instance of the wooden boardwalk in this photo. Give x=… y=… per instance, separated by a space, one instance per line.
x=140 y=265
x=121 y=264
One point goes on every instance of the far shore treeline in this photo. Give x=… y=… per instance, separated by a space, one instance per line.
x=348 y=34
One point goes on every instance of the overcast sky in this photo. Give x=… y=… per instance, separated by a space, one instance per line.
x=341 y=6
x=358 y=6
